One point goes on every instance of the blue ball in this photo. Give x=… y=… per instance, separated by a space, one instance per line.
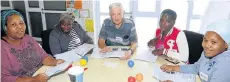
x=130 y=63
x=86 y=58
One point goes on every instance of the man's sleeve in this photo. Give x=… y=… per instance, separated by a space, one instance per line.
x=133 y=33
x=103 y=33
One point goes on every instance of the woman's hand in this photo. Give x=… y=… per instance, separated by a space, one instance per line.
x=152 y=42
x=127 y=55
x=59 y=61
x=41 y=78
x=170 y=68
x=158 y=52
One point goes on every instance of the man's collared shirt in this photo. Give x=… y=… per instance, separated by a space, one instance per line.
x=122 y=36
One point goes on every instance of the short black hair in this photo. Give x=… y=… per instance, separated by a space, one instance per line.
x=170 y=12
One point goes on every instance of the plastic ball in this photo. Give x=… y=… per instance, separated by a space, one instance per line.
x=131 y=79
x=83 y=62
x=130 y=63
x=86 y=58
x=139 y=77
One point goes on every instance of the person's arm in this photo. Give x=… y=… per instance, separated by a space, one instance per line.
x=47 y=59
x=37 y=78
x=54 y=43
x=102 y=37
x=192 y=68
x=182 y=47
x=84 y=34
x=133 y=39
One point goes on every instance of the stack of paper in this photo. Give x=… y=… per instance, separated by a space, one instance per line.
x=57 y=69
x=175 y=77
x=145 y=54
x=75 y=54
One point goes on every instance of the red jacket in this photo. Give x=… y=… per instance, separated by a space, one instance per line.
x=168 y=39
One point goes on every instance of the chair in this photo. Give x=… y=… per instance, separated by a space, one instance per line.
x=195 y=45
x=45 y=41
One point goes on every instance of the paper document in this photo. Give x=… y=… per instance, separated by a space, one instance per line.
x=145 y=54
x=57 y=69
x=84 y=49
x=75 y=54
x=115 y=53
x=175 y=76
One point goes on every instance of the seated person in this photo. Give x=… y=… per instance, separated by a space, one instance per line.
x=21 y=56
x=169 y=40
x=117 y=31
x=213 y=65
x=67 y=35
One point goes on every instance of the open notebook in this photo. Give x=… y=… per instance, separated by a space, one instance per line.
x=57 y=69
x=75 y=54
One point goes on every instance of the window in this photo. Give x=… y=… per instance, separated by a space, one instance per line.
x=181 y=8
x=147 y=6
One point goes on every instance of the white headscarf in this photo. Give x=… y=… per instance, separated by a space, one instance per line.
x=221 y=27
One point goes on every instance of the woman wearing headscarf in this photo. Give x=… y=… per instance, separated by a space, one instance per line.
x=67 y=35
x=213 y=65
x=21 y=55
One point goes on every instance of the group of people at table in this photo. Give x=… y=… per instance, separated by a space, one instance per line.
x=21 y=55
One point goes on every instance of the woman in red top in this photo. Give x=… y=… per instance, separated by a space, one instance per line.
x=166 y=40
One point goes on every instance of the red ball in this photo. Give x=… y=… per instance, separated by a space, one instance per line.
x=131 y=79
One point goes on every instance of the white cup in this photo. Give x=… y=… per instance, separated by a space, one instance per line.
x=76 y=74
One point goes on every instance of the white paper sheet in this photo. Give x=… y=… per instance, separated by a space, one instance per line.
x=175 y=77
x=116 y=53
x=57 y=69
x=83 y=49
x=145 y=54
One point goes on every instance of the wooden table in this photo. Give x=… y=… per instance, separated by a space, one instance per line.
x=97 y=72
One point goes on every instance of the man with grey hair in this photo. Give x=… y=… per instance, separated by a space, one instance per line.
x=117 y=31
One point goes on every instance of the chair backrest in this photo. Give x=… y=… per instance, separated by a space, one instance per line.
x=195 y=45
x=45 y=41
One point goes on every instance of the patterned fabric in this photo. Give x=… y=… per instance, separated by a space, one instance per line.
x=75 y=40
x=20 y=61
x=4 y=16
x=123 y=36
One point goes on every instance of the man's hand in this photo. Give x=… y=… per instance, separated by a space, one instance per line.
x=41 y=78
x=127 y=55
x=106 y=49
